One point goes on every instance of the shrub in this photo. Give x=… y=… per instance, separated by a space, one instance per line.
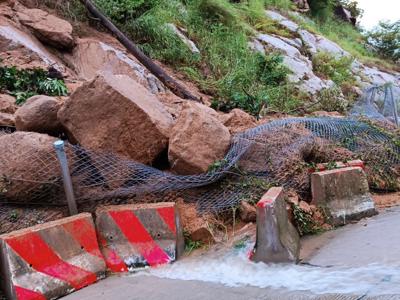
x=26 y=83
x=338 y=69
x=385 y=39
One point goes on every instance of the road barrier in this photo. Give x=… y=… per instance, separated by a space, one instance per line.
x=277 y=240
x=136 y=236
x=343 y=194
x=50 y=260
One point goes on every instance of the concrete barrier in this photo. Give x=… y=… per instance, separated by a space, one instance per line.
x=343 y=194
x=338 y=165
x=136 y=236
x=277 y=239
x=50 y=260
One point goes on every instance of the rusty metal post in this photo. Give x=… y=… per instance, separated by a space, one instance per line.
x=69 y=192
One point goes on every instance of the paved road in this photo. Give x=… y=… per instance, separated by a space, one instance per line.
x=374 y=241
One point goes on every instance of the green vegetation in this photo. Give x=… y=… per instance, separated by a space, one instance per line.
x=29 y=82
x=227 y=69
x=385 y=39
x=191 y=245
x=338 y=69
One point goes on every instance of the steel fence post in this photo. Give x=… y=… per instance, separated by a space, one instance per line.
x=69 y=192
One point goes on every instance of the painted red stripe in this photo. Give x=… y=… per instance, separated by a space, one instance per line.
x=82 y=230
x=113 y=261
x=36 y=252
x=137 y=235
x=24 y=294
x=168 y=216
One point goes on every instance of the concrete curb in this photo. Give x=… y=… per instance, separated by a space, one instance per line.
x=51 y=260
x=277 y=240
x=136 y=236
x=343 y=194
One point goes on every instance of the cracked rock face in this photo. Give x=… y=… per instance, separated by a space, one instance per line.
x=91 y=56
x=298 y=52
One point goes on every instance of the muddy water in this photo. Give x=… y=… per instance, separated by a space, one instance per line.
x=234 y=269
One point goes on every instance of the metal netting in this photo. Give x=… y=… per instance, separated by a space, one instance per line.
x=379 y=102
x=280 y=152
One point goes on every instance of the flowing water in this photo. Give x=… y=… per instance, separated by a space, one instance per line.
x=234 y=269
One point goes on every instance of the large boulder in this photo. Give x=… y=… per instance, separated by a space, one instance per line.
x=237 y=121
x=7 y=120
x=39 y=114
x=47 y=28
x=197 y=140
x=93 y=55
x=27 y=167
x=7 y=104
x=113 y=113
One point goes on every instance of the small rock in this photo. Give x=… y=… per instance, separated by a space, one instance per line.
x=197 y=140
x=202 y=234
x=7 y=104
x=47 y=28
x=7 y=120
x=195 y=225
x=39 y=114
x=248 y=212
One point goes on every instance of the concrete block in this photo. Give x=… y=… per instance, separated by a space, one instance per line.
x=50 y=260
x=277 y=240
x=137 y=236
x=338 y=165
x=343 y=194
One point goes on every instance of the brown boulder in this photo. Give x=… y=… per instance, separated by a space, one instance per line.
x=237 y=120
x=248 y=212
x=26 y=164
x=7 y=104
x=7 y=120
x=114 y=113
x=47 y=28
x=197 y=140
x=39 y=114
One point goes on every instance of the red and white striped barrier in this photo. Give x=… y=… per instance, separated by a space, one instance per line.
x=135 y=236
x=51 y=260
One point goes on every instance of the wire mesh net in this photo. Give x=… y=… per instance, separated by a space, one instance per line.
x=281 y=152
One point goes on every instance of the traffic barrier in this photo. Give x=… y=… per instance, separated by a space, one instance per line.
x=277 y=241
x=343 y=194
x=137 y=236
x=50 y=260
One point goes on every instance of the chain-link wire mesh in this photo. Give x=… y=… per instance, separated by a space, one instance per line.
x=281 y=152
x=379 y=102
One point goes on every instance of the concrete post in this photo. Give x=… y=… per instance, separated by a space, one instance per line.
x=69 y=192
x=277 y=240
